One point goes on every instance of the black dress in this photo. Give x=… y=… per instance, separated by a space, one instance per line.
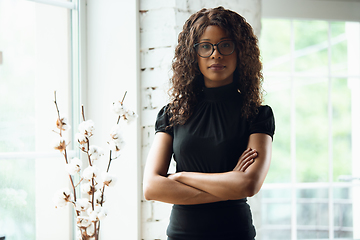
x=211 y=141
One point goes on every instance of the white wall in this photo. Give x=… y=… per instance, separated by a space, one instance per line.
x=112 y=69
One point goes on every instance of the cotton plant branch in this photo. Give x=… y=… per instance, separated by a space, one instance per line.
x=90 y=163
x=90 y=210
x=110 y=154
x=61 y=125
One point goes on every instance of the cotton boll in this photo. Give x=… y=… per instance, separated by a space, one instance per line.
x=118 y=108
x=82 y=204
x=90 y=172
x=82 y=221
x=98 y=195
x=71 y=169
x=59 y=202
x=130 y=116
x=62 y=124
x=116 y=146
x=92 y=215
x=74 y=166
x=116 y=132
x=102 y=213
x=80 y=138
x=99 y=213
x=95 y=152
x=60 y=144
x=87 y=128
x=116 y=142
x=97 y=209
x=62 y=197
x=109 y=179
x=86 y=188
x=77 y=162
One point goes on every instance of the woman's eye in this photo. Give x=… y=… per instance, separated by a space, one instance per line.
x=225 y=45
x=205 y=46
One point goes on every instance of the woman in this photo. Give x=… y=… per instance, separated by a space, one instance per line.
x=215 y=128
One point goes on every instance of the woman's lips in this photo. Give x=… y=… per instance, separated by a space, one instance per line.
x=217 y=67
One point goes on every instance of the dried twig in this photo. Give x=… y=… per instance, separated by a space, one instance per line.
x=65 y=154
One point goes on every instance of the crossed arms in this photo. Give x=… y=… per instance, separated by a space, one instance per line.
x=195 y=188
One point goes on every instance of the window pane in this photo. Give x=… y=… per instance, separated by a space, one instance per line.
x=279 y=98
x=316 y=193
x=306 y=233
x=341 y=128
x=311 y=129
x=312 y=213
x=311 y=43
x=276 y=214
x=343 y=220
x=275 y=45
x=17 y=77
x=276 y=234
x=17 y=198
x=339 y=60
x=343 y=212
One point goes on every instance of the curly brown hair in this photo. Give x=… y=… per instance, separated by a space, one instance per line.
x=187 y=79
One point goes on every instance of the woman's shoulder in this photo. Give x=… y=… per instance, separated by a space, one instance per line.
x=264 y=110
x=164 y=109
x=164 y=113
x=162 y=123
x=264 y=121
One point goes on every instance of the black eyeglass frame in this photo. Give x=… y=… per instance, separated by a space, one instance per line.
x=213 y=48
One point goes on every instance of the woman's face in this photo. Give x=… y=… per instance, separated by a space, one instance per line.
x=218 y=70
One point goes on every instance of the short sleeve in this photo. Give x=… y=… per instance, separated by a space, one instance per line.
x=162 y=122
x=264 y=122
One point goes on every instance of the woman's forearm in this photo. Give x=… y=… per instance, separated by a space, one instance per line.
x=163 y=189
x=230 y=185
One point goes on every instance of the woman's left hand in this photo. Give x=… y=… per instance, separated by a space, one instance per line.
x=245 y=160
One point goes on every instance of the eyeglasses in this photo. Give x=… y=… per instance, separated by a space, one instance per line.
x=206 y=49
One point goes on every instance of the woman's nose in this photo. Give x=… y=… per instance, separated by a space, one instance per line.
x=216 y=53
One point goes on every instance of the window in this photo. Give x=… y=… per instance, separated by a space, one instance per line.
x=312 y=80
x=39 y=55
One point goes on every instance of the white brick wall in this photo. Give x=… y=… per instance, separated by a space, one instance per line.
x=160 y=23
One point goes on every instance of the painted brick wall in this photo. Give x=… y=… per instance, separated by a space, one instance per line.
x=160 y=23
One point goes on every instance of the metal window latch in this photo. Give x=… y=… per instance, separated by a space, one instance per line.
x=347 y=178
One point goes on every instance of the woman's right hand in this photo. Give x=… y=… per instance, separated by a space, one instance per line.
x=246 y=159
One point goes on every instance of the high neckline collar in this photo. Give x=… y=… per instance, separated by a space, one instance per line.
x=226 y=92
